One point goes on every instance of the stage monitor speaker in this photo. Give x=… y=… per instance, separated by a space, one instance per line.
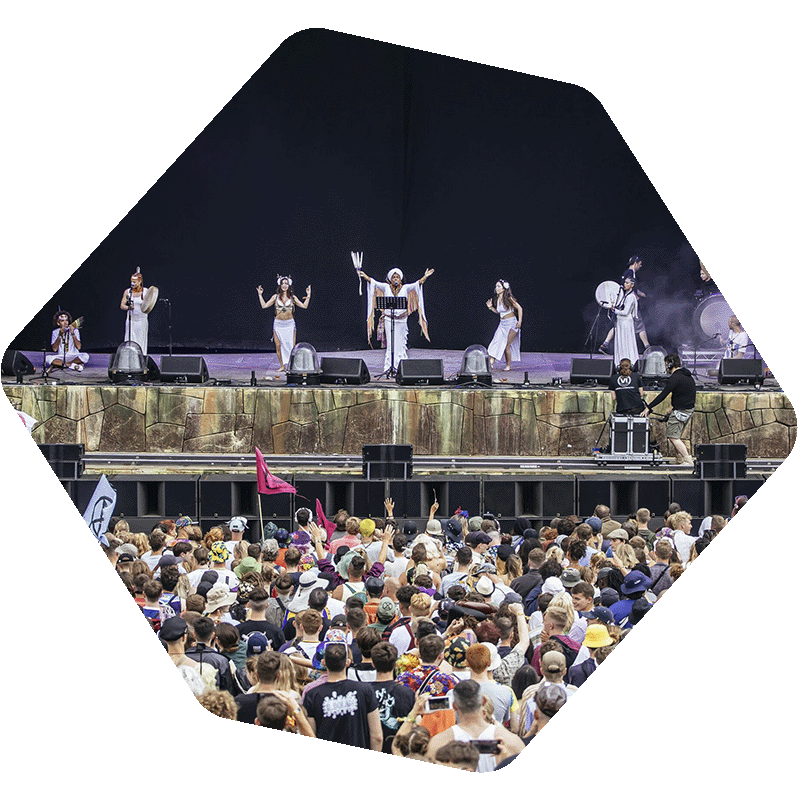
x=382 y=462
x=183 y=369
x=344 y=370
x=153 y=372
x=421 y=372
x=591 y=369
x=741 y=370
x=16 y=363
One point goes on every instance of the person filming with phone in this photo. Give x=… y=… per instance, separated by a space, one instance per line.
x=493 y=742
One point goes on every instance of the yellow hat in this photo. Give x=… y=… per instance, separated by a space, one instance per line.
x=367 y=527
x=597 y=636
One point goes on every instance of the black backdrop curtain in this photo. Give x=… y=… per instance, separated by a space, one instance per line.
x=339 y=143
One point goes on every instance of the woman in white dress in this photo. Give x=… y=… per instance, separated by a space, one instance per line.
x=66 y=344
x=627 y=311
x=284 y=331
x=505 y=342
x=136 y=324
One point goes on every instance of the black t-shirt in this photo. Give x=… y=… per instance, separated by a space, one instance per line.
x=247 y=705
x=273 y=634
x=340 y=711
x=394 y=701
x=627 y=390
x=527 y=582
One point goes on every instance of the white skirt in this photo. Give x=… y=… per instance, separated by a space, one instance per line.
x=497 y=347
x=284 y=331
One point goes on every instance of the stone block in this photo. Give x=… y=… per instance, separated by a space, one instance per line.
x=734 y=420
x=248 y=397
x=134 y=397
x=467 y=433
x=757 y=400
x=579 y=440
x=575 y=420
x=58 y=430
x=543 y=402
x=207 y=424
x=323 y=400
x=722 y=420
x=309 y=438
x=280 y=404
x=332 y=425
x=226 y=442
x=92 y=428
x=286 y=437
x=94 y=399
x=71 y=402
x=548 y=436
x=708 y=402
x=302 y=413
x=478 y=435
x=399 y=422
x=344 y=398
x=109 y=395
x=151 y=410
x=712 y=426
x=502 y=434
x=786 y=416
x=767 y=441
x=174 y=408
x=221 y=400
x=565 y=402
x=588 y=401
x=46 y=409
x=164 y=438
x=262 y=419
x=747 y=420
x=445 y=423
x=527 y=426
x=122 y=430
x=735 y=401
x=757 y=417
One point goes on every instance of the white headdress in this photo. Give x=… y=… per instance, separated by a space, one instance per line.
x=504 y=284
x=282 y=278
x=392 y=272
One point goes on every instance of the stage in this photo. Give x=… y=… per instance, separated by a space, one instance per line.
x=228 y=415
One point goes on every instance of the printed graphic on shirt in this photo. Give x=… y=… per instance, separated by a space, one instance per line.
x=386 y=704
x=337 y=705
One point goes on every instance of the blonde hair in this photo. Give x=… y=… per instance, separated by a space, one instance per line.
x=287 y=679
x=215 y=534
x=563 y=600
x=679 y=518
x=627 y=555
x=556 y=553
x=142 y=543
x=219 y=703
x=420 y=604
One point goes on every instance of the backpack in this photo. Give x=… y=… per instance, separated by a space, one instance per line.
x=361 y=595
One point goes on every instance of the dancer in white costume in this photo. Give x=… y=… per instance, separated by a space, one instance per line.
x=66 y=344
x=416 y=302
x=284 y=331
x=627 y=311
x=505 y=342
x=136 y=323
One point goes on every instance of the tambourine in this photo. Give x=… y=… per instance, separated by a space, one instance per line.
x=149 y=299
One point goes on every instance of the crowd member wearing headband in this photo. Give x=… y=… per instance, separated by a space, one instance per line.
x=394 y=287
x=506 y=337
x=136 y=323
x=284 y=331
x=66 y=344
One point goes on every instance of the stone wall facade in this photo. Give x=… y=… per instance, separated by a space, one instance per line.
x=286 y=420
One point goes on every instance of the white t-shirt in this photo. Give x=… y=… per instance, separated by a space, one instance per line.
x=401 y=639
x=502 y=697
x=398 y=566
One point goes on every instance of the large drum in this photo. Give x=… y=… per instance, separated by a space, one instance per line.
x=607 y=292
x=711 y=317
x=149 y=299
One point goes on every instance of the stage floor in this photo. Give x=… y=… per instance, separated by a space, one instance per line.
x=541 y=368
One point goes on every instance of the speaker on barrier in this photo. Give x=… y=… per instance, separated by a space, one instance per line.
x=66 y=460
x=16 y=363
x=720 y=461
x=584 y=370
x=344 y=370
x=420 y=372
x=383 y=462
x=741 y=370
x=183 y=369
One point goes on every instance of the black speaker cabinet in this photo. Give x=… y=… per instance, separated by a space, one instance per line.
x=351 y=371
x=183 y=369
x=421 y=372
x=720 y=461
x=16 y=363
x=66 y=460
x=591 y=369
x=737 y=370
x=382 y=462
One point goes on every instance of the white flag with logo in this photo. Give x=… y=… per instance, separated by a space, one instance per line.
x=100 y=509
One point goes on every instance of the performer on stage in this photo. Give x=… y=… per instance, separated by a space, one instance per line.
x=738 y=340
x=136 y=323
x=66 y=344
x=626 y=311
x=284 y=330
x=506 y=338
x=416 y=302
x=634 y=265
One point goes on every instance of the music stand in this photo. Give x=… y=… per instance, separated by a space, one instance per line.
x=391 y=304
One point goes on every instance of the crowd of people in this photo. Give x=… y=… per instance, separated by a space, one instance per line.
x=454 y=644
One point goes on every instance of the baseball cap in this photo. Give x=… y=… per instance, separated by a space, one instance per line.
x=553 y=662
x=550 y=698
x=172 y=629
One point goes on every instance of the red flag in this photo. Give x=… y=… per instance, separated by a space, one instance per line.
x=267 y=482
x=330 y=527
